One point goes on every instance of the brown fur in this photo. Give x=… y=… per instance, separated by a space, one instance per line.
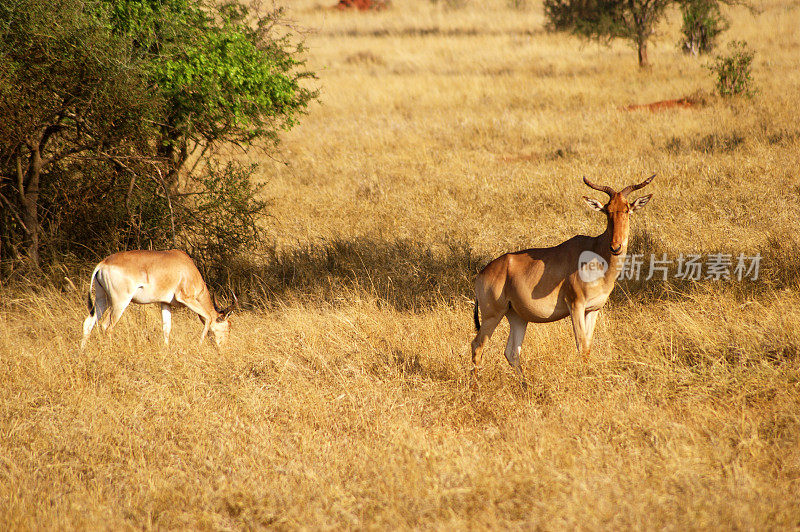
x=166 y=277
x=543 y=284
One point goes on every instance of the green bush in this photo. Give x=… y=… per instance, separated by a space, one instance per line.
x=220 y=221
x=702 y=24
x=733 y=70
x=103 y=103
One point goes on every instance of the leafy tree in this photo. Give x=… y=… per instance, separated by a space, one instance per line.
x=604 y=20
x=224 y=73
x=67 y=87
x=110 y=98
x=702 y=23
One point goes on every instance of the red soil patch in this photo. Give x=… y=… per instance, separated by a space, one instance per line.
x=362 y=5
x=664 y=104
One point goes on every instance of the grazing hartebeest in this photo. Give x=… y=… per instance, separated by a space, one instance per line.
x=542 y=285
x=166 y=277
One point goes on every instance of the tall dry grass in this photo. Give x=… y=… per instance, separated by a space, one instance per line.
x=445 y=137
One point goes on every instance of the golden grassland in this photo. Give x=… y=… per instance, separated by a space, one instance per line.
x=444 y=137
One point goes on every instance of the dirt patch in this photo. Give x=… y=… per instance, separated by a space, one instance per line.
x=362 y=5
x=663 y=105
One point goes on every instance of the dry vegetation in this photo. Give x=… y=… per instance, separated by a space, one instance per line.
x=448 y=134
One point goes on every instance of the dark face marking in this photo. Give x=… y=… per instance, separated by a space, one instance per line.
x=618 y=213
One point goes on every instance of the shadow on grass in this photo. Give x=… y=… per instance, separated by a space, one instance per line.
x=411 y=276
x=404 y=274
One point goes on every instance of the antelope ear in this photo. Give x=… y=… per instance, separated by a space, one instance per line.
x=640 y=202
x=594 y=204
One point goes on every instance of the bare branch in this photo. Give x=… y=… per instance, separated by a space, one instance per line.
x=169 y=204
x=206 y=146
x=20 y=180
x=67 y=153
x=128 y=197
x=15 y=213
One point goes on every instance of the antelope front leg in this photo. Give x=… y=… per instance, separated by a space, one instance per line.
x=578 y=314
x=591 y=321
x=206 y=326
x=197 y=308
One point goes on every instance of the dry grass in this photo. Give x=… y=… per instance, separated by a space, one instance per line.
x=445 y=137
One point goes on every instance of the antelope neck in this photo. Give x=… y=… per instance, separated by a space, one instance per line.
x=602 y=247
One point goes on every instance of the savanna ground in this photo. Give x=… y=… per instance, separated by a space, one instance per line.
x=449 y=133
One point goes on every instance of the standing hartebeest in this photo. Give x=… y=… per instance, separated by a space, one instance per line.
x=166 y=277
x=542 y=285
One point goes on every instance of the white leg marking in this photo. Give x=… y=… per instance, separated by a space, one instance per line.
x=578 y=315
x=166 y=321
x=591 y=321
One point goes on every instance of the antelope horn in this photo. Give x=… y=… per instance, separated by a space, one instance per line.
x=229 y=308
x=630 y=188
x=215 y=303
x=235 y=303
x=602 y=188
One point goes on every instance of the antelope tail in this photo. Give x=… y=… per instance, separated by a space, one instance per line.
x=89 y=301
x=476 y=317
